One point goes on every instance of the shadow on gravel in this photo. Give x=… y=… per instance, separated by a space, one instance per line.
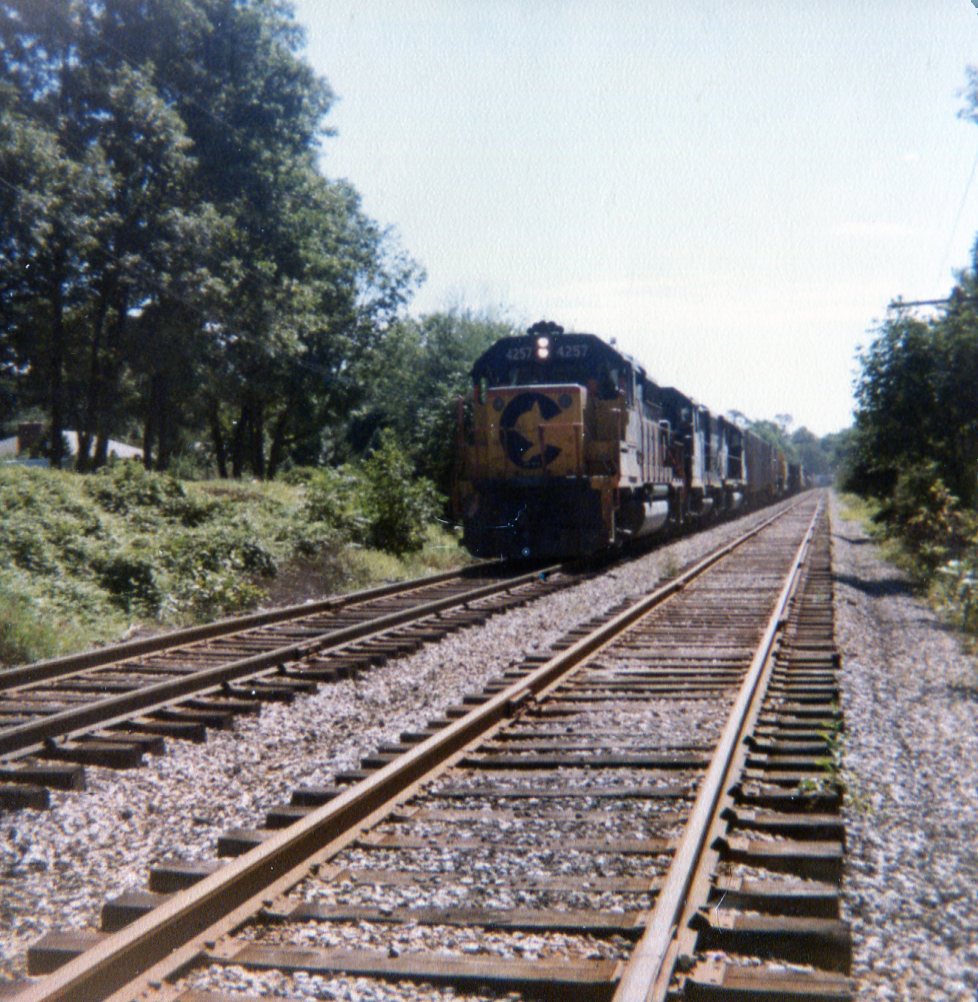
x=882 y=588
x=853 y=540
x=966 y=692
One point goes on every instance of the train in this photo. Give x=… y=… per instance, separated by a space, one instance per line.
x=569 y=449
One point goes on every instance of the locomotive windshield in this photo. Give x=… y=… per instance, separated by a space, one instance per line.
x=556 y=372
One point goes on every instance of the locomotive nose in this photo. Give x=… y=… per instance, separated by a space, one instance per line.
x=540 y=430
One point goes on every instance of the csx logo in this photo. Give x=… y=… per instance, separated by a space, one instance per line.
x=519 y=430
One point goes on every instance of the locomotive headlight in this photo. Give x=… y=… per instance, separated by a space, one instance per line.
x=543 y=342
x=543 y=348
x=543 y=353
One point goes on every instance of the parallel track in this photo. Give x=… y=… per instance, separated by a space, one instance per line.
x=582 y=851
x=110 y=706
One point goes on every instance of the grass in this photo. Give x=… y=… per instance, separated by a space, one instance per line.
x=857 y=509
x=951 y=588
x=86 y=560
x=863 y=511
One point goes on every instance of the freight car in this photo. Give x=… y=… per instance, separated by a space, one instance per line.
x=570 y=449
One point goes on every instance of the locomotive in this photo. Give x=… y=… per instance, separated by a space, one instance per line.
x=570 y=449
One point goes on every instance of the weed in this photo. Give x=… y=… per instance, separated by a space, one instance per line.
x=670 y=566
x=834 y=774
x=85 y=558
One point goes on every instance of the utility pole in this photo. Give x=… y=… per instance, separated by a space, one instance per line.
x=954 y=299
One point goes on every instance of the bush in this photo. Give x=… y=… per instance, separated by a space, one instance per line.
x=130 y=577
x=123 y=487
x=330 y=499
x=397 y=505
x=924 y=516
x=957 y=589
x=84 y=558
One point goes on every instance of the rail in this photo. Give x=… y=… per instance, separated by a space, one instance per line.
x=171 y=936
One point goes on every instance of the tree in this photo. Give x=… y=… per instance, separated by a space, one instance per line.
x=417 y=373
x=915 y=442
x=917 y=404
x=811 y=452
x=173 y=258
x=105 y=202
x=49 y=194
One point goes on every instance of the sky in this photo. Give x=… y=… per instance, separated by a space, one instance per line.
x=734 y=192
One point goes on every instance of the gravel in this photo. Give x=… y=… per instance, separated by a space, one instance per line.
x=57 y=867
x=448 y=941
x=490 y=891
x=910 y=698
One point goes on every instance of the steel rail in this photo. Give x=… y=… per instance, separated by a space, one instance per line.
x=167 y=939
x=52 y=668
x=646 y=974
x=159 y=694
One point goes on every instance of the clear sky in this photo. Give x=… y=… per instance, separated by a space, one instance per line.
x=734 y=191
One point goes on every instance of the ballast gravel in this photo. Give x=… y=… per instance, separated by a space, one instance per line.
x=910 y=698
x=57 y=867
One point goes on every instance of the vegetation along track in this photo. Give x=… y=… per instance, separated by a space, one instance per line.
x=112 y=706
x=651 y=812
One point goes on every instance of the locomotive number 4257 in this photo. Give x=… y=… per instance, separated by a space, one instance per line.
x=571 y=351
x=523 y=353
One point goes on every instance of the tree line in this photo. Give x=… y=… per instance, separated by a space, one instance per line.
x=914 y=446
x=174 y=267
x=177 y=271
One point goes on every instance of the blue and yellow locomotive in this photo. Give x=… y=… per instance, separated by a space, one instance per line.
x=571 y=449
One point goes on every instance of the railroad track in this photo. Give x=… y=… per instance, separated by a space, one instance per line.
x=112 y=706
x=650 y=813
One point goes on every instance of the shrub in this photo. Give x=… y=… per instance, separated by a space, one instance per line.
x=926 y=519
x=397 y=505
x=130 y=577
x=122 y=487
x=957 y=590
x=330 y=499
x=299 y=476
x=218 y=548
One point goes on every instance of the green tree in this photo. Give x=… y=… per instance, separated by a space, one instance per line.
x=417 y=373
x=917 y=403
x=105 y=202
x=811 y=452
x=175 y=257
x=397 y=503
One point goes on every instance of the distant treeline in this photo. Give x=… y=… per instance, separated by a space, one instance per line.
x=820 y=457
